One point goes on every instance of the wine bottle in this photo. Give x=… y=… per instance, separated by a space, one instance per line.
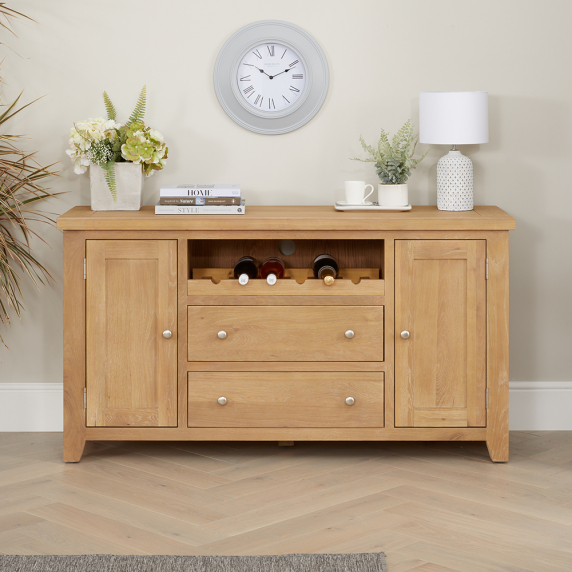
x=245 y=269
x=325 y=268
x=272 y=269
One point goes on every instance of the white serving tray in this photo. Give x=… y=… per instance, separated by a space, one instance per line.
x=343 y=206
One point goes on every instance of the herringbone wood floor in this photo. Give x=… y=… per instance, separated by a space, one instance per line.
x=431 y=507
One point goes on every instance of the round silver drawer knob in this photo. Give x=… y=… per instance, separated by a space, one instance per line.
x=350 y=400
x=350 y=334
x=221 y=335
x=221 y=400
x=405 y=334
x=167 y=334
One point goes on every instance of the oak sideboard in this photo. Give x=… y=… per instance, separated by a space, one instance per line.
x=411 y=341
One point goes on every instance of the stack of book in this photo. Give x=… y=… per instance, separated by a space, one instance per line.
x=200 y=199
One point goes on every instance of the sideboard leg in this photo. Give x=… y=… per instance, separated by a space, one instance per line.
x=73 y=448
x=497 y=346
x=285 y=443
x=74 y=345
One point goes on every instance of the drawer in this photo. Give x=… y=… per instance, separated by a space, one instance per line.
x=285 y=333
x=285 y=399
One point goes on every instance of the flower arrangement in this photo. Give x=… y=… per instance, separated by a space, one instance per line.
x=393 y=160
x=105 y=142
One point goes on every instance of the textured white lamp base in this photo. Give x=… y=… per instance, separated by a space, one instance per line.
x=455 y=182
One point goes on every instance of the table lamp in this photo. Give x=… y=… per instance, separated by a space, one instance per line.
x=454 y=118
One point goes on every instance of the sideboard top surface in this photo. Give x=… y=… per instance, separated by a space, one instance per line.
x=272 y=218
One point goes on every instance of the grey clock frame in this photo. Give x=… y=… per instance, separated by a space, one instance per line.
x=259 y=121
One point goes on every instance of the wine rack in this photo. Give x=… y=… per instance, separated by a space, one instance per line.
x=296 y=282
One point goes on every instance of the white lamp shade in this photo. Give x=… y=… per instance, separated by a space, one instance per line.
x=453 y=117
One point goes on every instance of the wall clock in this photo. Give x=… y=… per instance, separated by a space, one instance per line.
x=271 y=77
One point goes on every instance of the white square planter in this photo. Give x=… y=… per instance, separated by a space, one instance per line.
x=129 y=184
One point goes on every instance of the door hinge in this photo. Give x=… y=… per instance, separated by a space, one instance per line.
x=85 y=397
x=487 y=269
x=487 y=398
x=84 y=268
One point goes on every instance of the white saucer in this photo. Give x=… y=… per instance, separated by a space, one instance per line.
x=343 y=206
x=346 y=204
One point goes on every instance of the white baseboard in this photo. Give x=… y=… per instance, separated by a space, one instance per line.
x=540 y=405
x=534 y=406
x=31 y=406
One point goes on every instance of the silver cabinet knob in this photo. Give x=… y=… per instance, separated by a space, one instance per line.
x=404 y=334
x=350 y=334
x=167 y=334
x=350 y=400
x=221 y=335
x=221 y=400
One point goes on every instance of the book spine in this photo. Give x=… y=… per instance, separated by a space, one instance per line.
x=200 y=201
x=200 y=192
x=194 y=210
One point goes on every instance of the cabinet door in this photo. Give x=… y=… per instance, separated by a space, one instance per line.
x=131 y=299
x=440 y=299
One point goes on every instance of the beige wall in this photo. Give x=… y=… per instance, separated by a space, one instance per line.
x=381 y=53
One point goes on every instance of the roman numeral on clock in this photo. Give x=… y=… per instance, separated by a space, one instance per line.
x=248 y=89
x=271 y=101
x=286 y=99
x=292 y=88
x=245 y=78
x=245 y=64
x=293 y=63
x=284 y=53
x=297 y=76
x=271 y=50
x=257 y=99
x=257 y=54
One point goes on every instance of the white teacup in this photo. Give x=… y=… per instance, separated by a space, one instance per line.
x=355 y=191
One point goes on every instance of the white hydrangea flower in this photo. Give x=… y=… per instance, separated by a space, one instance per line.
x=83 y=134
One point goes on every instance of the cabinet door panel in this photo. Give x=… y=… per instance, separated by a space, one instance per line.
x=440 y=299
x=131 y=298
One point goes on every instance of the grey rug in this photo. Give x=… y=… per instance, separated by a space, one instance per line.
x=283 y=563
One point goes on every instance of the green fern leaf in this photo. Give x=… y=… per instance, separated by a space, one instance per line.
x=110 y=178
x=111 y=113
x=139 y=111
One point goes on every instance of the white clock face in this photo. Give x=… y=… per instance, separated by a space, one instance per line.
x=271 y=77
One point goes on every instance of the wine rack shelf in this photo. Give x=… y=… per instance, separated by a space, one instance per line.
x=296 y=282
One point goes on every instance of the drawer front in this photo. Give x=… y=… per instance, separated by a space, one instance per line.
x=285 y=333
x=285 y=399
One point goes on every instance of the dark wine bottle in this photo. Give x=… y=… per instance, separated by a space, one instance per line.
x=272 y=269
x=325 y=268
x=245 y=269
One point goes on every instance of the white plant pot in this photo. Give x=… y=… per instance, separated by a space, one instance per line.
x=392 y=195
x=129 y=184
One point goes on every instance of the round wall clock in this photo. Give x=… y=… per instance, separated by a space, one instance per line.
x=271 y=77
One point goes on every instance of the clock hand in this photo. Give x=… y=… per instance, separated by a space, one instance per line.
x=262 y=71
x=281 y=73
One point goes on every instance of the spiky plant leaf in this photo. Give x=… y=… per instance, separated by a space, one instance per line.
x=20 y=190
x=111 y=113
x=139 y=111
x=110 y=178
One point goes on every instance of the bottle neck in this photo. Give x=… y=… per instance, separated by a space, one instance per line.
x=327 y=271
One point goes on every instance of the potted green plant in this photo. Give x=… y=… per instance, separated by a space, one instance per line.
x=20 y=192
x=393 y=163
x=118 y=155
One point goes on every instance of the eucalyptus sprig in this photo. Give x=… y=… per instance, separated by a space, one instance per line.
x=393 y=159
